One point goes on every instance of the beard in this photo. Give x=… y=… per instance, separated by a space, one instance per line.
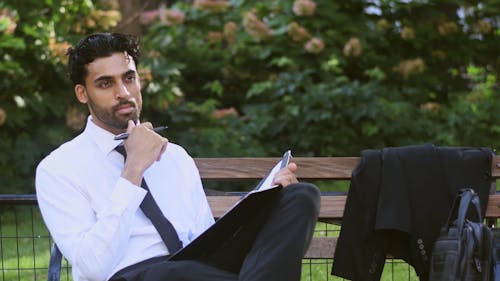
x=111 y=118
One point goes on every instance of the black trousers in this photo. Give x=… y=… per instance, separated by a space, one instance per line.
x=270 y=247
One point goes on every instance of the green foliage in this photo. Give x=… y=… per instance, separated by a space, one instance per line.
x=36 y=96
x=252 y=78
x=384 y=78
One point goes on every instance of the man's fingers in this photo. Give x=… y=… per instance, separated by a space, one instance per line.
x=163 y=148
x=286 y=176
x=130 y=126
x=147 y=125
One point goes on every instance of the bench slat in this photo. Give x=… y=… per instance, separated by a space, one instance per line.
x=321 y=248
x=256 y=168
x=332 y=206
x=493 y=210
x=339 y=168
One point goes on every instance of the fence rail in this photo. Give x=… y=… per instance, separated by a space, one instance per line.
x=25 y=245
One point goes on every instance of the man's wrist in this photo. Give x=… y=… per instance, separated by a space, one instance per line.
x=133 y=175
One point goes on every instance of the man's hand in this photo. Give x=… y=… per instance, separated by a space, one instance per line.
x=286 y=176
x=143 y=146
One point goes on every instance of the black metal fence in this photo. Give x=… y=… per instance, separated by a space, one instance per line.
x=25 y=242
x=25 y=246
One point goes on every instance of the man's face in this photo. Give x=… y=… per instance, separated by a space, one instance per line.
x=112 y=92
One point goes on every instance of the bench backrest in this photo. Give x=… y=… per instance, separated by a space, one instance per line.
x=312 y=168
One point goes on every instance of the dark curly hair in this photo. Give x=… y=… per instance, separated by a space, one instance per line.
x=96 y=46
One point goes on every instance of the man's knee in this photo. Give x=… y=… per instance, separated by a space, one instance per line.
x=303 y=195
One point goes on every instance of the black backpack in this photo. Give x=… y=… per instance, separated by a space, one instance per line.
x=463 y=248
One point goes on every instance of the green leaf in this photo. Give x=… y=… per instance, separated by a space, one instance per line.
x=12 y=43
x=259 y=88
x=215 y=87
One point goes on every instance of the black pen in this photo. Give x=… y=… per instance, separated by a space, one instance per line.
x=124 y=136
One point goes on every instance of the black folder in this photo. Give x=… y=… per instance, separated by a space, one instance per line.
x=232 y=221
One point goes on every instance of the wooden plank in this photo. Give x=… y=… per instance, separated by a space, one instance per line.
x=221 y=203
x=324 y=248
x=332 y=206
x=339 y=168
x=321 y=248
x=493 y=210
x=495 y=167
x=255 y=168
x=234 y=168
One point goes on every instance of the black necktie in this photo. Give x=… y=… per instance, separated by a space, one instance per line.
x=153 y=212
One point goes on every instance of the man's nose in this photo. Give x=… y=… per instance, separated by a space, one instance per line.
x=122 y=91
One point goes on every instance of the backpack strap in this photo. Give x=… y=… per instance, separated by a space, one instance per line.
x=463 y=201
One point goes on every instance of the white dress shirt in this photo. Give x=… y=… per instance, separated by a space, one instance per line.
x=93 y=214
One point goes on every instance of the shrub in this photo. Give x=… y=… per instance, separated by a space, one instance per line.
x=252 y=78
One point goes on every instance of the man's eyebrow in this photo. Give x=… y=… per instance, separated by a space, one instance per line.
x=129 y=72
x=109 y=77
x=103 y=78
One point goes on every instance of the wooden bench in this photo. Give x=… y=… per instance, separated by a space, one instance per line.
x=310 y=168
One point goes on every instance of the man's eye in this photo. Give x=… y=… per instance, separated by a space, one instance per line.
x=104 y=84
x=130 y=77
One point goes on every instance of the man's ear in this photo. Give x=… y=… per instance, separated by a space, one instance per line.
x=81 y=93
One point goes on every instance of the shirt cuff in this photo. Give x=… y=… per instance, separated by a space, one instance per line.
x=127 y=196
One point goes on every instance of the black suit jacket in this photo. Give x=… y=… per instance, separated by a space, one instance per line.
x=399 y=199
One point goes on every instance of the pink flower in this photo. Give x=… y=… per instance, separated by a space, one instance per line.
x=148 y=17
x=431 y=106
x=105 y=19
x=230 y=29
x=7 y=21
x=297 y=32
x=410 y=67
x=383 y=24
x=58 y=50
x=314 y=46
x=221 y=113
x=304 y=7
x=3 y=116
x=154 y=54
x=212 y=5
x=171 y=17
x=214 y=37
x=483 y=27
x=447 y=28
x=146 y=75
x=408 y=33
x=167 y=17
x=353 y=48
x=256 y=27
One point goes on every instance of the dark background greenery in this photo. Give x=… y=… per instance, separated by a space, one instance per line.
x=391 y=73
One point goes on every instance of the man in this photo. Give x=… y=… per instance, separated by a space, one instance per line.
x=90 y=194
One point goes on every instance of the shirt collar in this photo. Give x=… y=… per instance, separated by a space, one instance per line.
x=102 y=138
